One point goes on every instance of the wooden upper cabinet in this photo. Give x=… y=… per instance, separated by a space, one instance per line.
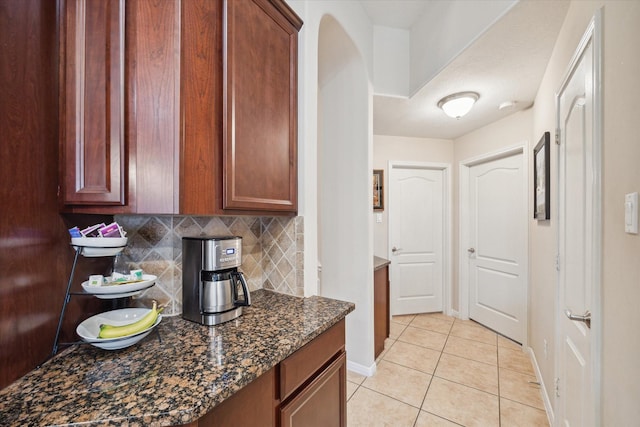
x=92 y=102
x=259 y=142
x=238 y=95
x=179 y=107
x=201 y=107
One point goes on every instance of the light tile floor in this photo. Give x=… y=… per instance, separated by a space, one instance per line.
x=440 y=371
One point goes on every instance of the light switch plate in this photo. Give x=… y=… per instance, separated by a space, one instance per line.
x=631 y=213
x=378 y=217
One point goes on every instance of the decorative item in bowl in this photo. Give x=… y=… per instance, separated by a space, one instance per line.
x=131 y=318
x=99 y=246
x=118 y=289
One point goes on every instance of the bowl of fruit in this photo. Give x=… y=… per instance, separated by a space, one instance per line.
x=116 y=329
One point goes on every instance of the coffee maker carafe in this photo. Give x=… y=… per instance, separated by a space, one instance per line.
x=210 y=279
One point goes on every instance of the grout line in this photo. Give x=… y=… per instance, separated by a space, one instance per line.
x=433 y=375
x=499 y=397
x=467 y=385
x=471 y=360
x=443 y=418
x=408 y=367
x=523 y=404
x=354 y=391
x=520 y=372
x=474 y=340
x=435 y=368
x=390 y=397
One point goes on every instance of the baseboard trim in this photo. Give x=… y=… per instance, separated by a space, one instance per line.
x=367 y=371
x=543 y=388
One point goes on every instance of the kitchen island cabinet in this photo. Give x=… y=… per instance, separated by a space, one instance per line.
x=253 y=405
x=306 y=389
x=192 y=109
x=381 y=301
x=313 y=382
x=322 y=403
x=184 y=372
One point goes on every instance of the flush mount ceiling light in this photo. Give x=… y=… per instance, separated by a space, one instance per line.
x=458 y=104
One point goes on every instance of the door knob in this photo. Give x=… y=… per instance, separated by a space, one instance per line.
x=586 y=317
x=394 y=249
x=471 y=250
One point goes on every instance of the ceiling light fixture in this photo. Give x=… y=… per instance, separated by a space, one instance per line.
x=458 y=104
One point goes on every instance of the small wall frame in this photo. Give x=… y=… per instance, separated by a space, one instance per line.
x=378 y=190
x=542 y=179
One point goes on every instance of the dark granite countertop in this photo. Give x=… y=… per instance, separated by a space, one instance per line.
x=172 y=377
x=378 y=262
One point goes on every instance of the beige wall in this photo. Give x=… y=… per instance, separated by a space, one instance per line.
x=543 y=235
x=621 y=252
x=621 y=263
x=621 y=174
x=398 y=148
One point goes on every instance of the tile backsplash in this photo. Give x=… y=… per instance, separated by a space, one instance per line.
x=272 y=251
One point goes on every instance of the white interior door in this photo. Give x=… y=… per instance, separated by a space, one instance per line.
x=497 y=246
x=416 y=236
x=578 y=242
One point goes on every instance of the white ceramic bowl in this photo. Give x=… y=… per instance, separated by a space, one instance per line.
x=99 y=246
x=118 y=291
x=89 y=329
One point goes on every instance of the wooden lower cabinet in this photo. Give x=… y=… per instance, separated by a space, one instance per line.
x=381 y=317
x=254 y=405
x=307 y=389
x=323 y=402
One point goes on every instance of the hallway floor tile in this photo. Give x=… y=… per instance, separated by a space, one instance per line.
x=440 y=371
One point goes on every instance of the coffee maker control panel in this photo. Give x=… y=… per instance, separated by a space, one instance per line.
x=222 y=253
x=229 y=255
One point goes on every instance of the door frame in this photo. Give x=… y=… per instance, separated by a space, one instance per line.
x=446 y=217
x=464 y=168
x=592 y=34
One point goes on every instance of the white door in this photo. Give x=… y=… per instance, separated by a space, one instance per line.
x=497 y=246
x=578 y=239
x=416 y=236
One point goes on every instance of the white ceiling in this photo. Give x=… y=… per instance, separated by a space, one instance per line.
x=505 y=63
x=395 y=13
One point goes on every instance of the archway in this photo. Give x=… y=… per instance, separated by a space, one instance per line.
x=344 y=180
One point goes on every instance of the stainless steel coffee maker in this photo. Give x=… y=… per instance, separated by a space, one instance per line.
x=211 y=280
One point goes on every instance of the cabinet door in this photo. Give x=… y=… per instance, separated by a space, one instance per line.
x=380 y=309
x=253 y=405
x=92 y=102
x=323 y=402
x=260 y=106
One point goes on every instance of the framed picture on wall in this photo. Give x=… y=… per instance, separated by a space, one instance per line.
x=378 y=190
x=542 y=179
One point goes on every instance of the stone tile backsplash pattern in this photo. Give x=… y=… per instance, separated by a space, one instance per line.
x=272 y=251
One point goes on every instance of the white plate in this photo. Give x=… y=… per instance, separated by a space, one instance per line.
x=115 y=291
x=89 y=329
x=113 y=296
x=99 y=246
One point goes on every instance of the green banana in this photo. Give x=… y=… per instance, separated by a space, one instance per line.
x=111 y=331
